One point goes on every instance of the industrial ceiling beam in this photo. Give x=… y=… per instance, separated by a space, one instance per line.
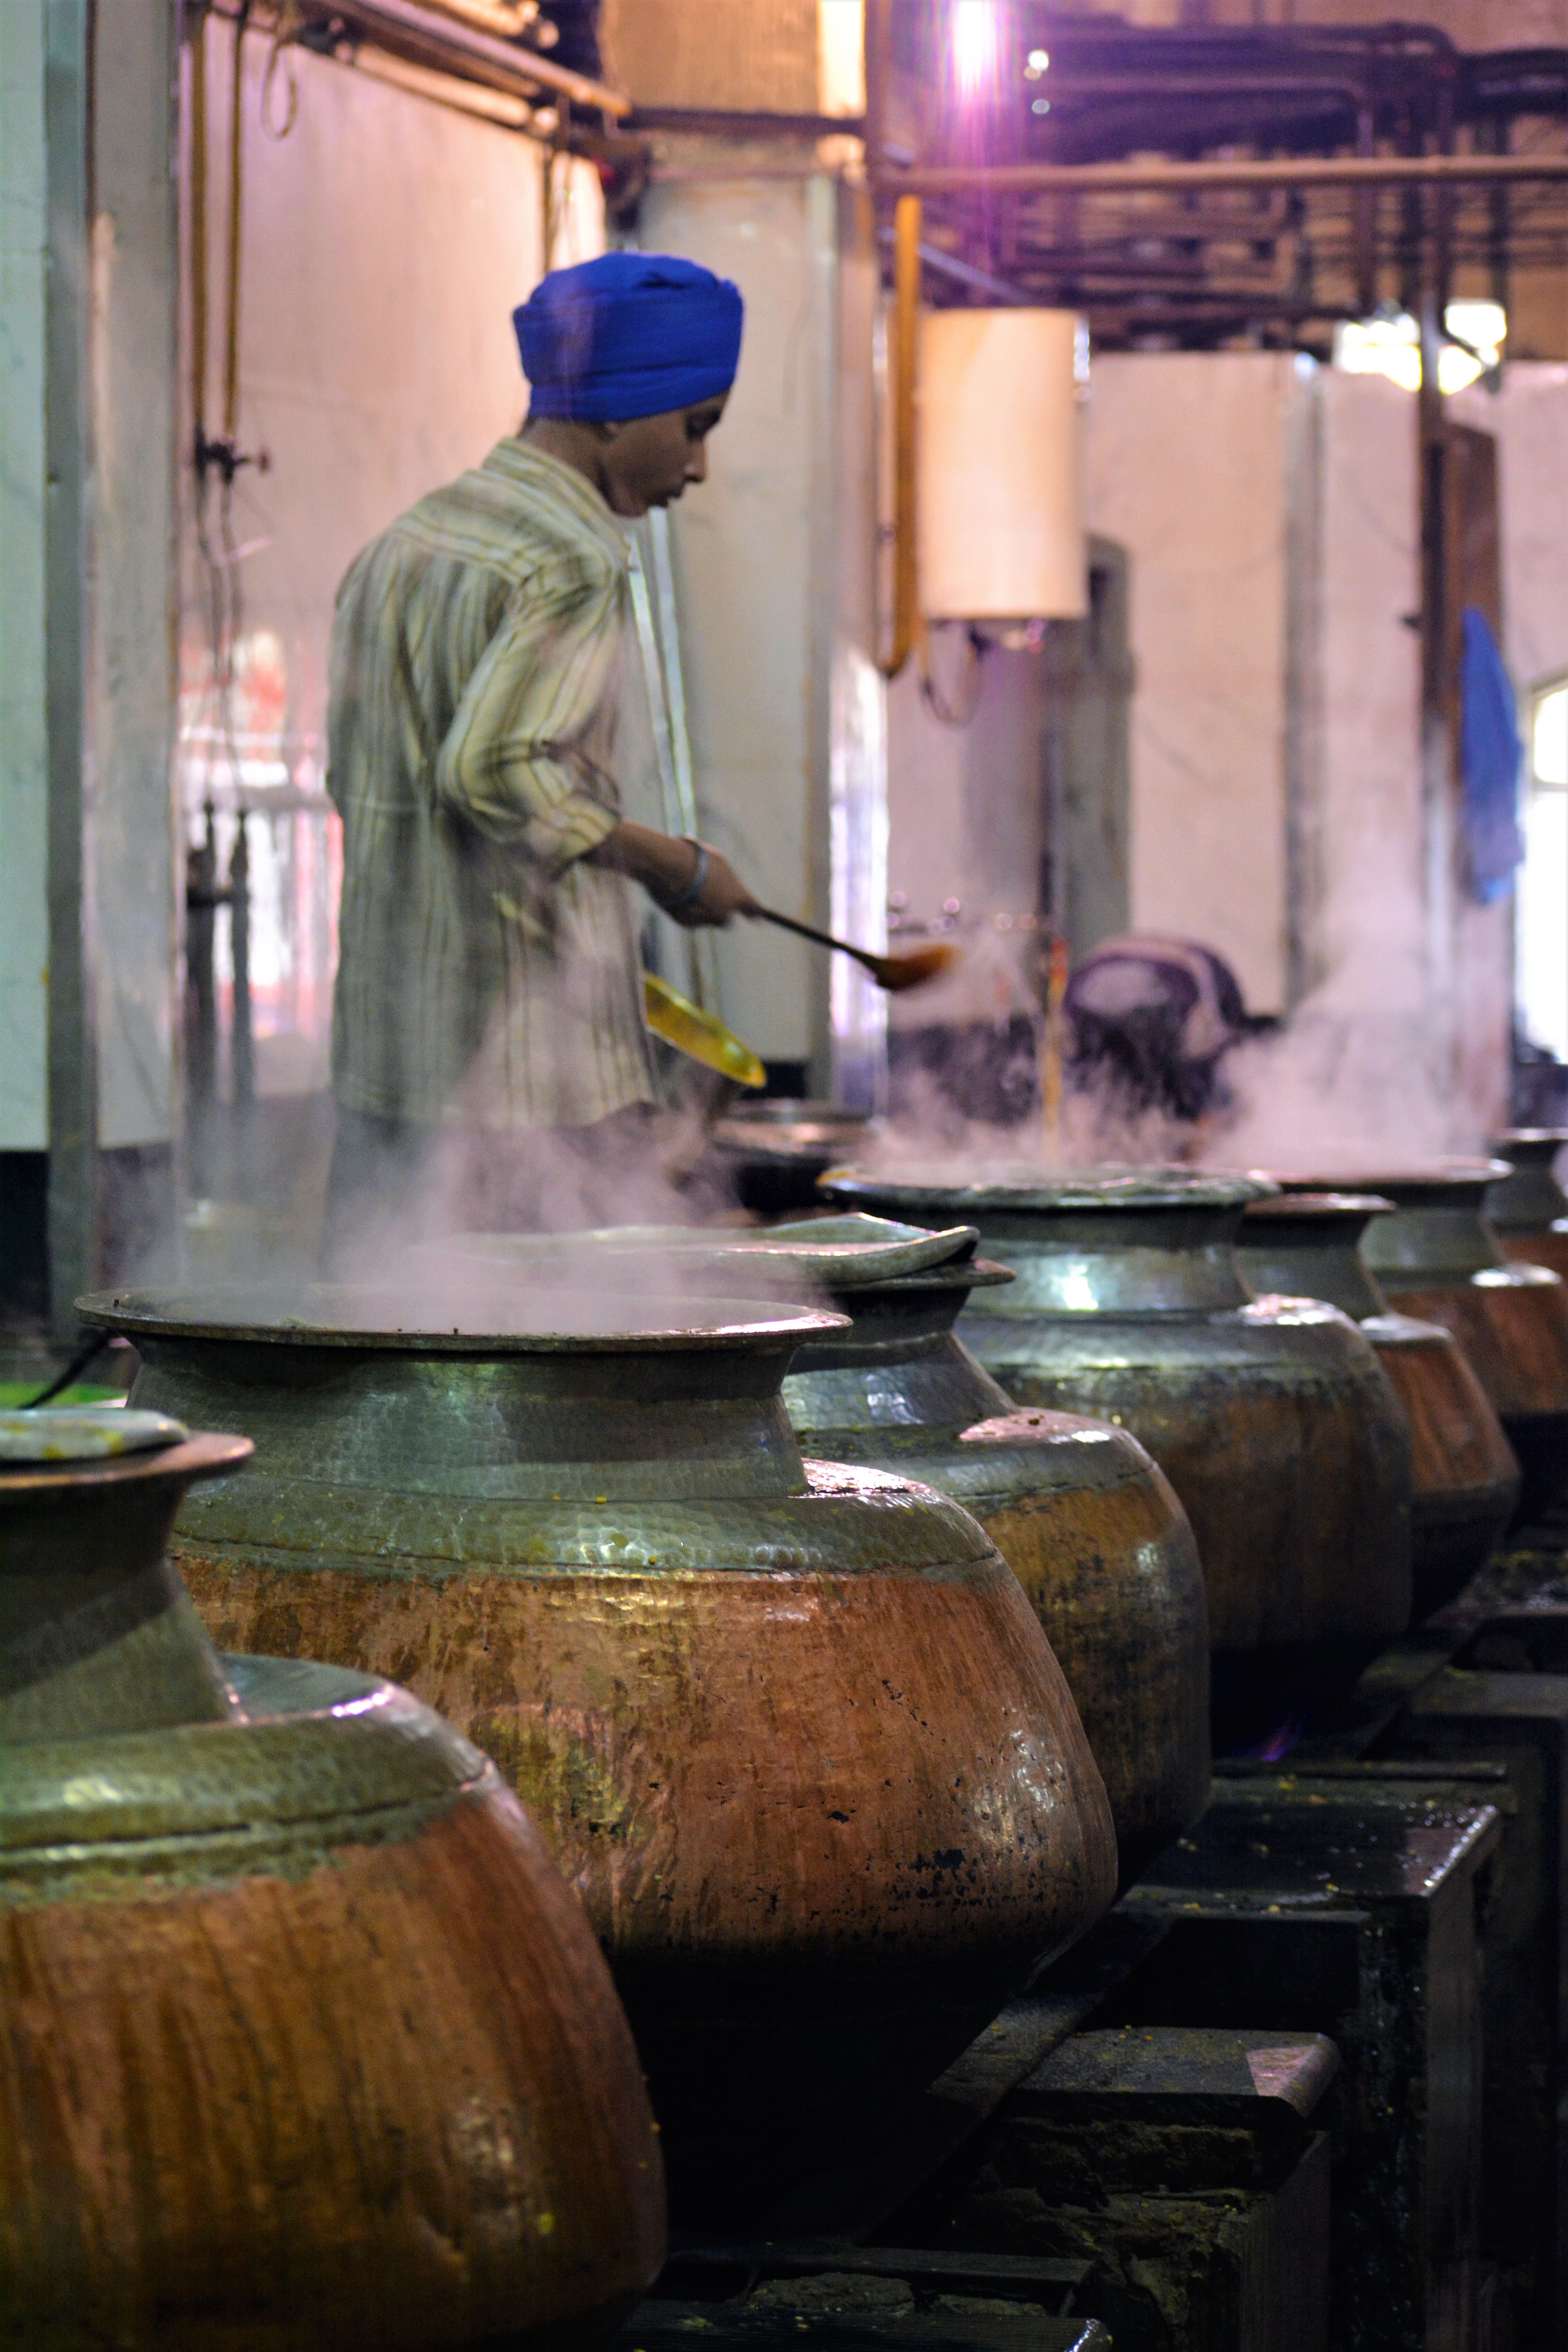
x=1249 y=172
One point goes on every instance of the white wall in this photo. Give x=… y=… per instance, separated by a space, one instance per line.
x=1530 y=418
x=1187 y=459
x=24 y=748
x=387 y=241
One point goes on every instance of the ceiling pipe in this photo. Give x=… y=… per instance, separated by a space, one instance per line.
x=1284 y=171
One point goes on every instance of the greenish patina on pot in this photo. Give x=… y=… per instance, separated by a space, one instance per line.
x=1465 y=1477
x=1273 y=1420
x=793 y=1730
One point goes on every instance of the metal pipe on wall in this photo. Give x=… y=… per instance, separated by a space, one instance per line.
x=905 y=359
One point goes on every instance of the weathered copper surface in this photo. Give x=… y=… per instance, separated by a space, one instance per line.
x=1083 y=1518
x=1438 y=1258
x=1273 y=1420
x=1528 y=1210
x=96 y=1631
x=306 y=2044
x=793 y=1731
x=1464 y=1476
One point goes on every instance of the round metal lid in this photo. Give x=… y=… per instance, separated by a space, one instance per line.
x=83 y=1433
x=437 y=1316
x=1023 y=1184
x=1384 y=1176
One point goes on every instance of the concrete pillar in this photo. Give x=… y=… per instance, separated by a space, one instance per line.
x=88 y=253
x=774 y=574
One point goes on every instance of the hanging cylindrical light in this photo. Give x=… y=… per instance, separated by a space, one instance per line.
x=1000 y=490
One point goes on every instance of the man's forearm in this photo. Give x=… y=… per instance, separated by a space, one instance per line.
x=661 y=862
x=697 y=886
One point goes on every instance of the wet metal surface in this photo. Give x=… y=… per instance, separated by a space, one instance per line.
x=793 y=1731
x=1272 y=1419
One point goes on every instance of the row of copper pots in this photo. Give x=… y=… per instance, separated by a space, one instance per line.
x=681 y=1668
x=1272 y=1417
x=791 y=1729
x=1438 y=1257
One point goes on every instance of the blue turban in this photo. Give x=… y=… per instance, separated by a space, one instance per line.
x=631 y=335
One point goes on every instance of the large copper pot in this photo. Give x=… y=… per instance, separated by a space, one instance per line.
x=793 y=1731
x=306 y=2044
x=1439 y=1258
x=1273 y=1419
x=1087 y=1523
x=1465 y=1479
x=1083 y=1517
x=1528 y=1209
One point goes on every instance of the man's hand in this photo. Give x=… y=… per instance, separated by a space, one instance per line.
x=667 y=866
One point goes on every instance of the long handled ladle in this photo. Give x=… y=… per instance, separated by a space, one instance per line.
x=891 y=972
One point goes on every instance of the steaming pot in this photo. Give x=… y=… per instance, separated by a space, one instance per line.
x=793 y=1730
x=305 y=2042
x=1465 y=1479
x=1273 y=1419
x=1528 y=1209
x=1439 y=1258
x=1078 y=1510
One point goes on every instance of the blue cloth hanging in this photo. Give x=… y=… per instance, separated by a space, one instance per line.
x=1490 y=755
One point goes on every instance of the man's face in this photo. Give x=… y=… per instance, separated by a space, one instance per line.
x=648 y=460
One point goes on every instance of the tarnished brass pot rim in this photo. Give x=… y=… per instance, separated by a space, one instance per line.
x=579 y=1325
x=207 y=1455
x=1318 y=1208
x=1437 y=1184
x=1024 y=1185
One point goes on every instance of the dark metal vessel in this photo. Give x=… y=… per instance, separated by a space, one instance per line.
x=1528 y=1210
x=1438 y=1258
x=1273 y=1420
x=1464 y=1476
x=793 y=1731
x=305 y=2041
x=775 y=1149
x=1083 y=1518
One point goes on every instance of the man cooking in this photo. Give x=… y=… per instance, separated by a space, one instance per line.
x=488 y=1028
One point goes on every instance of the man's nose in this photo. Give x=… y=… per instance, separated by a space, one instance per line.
x=696 y=462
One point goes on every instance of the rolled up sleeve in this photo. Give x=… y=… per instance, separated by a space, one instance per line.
x=513 y=761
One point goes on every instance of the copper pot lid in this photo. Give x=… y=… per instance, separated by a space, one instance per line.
x=444 y=1317
x=1389 y=1177
x=846 y=1252
x=83 y=1433
x=1024 y=1184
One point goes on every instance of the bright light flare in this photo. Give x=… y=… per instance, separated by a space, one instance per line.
x=1390 y=345
x=976 y=48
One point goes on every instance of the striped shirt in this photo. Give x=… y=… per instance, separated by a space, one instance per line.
x=486 y=974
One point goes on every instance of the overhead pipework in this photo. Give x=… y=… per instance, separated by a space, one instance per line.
x=1205 y=186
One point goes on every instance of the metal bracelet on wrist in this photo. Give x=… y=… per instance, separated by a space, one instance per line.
x=695 y=887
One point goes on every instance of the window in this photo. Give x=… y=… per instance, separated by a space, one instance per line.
x=1542 y=970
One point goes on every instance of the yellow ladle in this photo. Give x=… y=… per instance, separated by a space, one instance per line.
x=689 y=1030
